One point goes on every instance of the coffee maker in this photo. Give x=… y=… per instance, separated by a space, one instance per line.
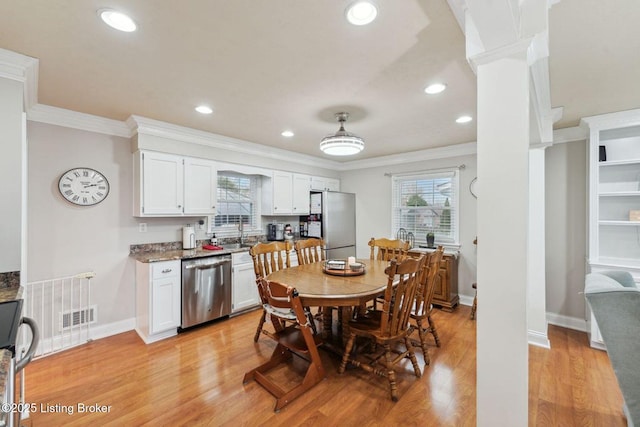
x=275 y=231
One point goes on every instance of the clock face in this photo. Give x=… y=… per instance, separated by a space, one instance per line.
x=83 y=186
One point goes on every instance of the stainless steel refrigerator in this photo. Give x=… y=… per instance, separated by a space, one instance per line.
x=333 y=217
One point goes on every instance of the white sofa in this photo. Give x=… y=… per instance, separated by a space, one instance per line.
x=614 y=299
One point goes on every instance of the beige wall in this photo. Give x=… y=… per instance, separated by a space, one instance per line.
x=566 y=228
x=10 y=175
x=64 y=239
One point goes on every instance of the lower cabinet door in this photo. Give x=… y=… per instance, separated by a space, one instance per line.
x=165 y=304
x=245 y=290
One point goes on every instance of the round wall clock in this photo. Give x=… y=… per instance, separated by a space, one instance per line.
x=83 y=186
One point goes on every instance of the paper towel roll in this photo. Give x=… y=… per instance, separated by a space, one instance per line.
x=188 y=238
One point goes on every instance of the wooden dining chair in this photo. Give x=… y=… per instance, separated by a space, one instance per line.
x=421 y=313
x=388 y=249
x=267 y=258
x=385 y=250
x=309 y=250
x=297 y=339
x=391 y=326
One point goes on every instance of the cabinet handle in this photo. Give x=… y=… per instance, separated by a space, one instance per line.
x=167 y=270
x=179 y=206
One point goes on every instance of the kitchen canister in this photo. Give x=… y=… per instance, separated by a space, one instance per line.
x=188 y=237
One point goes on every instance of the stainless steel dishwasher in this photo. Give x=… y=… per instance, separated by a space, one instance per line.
x=206 y=289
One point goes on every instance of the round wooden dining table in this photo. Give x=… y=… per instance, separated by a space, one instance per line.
x=319 y=289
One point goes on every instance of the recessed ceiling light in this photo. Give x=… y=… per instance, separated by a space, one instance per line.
x=203 y=109
x=287 y=134
x=361 y=13
x=435 y=88
x=463 y=119
x=117 y=20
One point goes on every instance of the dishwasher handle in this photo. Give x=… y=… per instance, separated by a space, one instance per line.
x=204 y=266
x=35 y=340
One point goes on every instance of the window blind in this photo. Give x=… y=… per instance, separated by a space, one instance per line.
x=237 y=201
x=426 y=202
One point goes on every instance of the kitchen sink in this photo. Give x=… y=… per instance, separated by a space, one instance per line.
x=236 y=245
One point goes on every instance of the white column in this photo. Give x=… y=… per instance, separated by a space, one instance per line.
x=536 y=294
x=503 y=210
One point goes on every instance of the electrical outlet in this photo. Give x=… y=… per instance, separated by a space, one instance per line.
x=142 y=227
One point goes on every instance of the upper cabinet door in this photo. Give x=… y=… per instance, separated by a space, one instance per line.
x=282 y=195
x=301 y=187
x=200 y=186
x=320 y=183
x=162 y=184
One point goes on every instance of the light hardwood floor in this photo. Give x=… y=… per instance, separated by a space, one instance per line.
x=196 y=379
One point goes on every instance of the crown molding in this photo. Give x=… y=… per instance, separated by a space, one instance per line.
x=575 y=133
x=24 y=69
x=75 y=120
x=145 y=126
x=612 y=120
x=465 y=149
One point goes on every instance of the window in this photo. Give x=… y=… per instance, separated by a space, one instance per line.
x=237 y=201
x=427 y=202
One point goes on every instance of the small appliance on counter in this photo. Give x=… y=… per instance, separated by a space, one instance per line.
x=275 y=231
x=288 y=233
x=188 y=237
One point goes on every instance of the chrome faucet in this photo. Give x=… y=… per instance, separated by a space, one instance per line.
x=241 y=230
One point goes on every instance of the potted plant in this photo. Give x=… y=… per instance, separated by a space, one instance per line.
x=431 y=239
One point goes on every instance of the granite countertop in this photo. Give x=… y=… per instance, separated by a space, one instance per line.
x=177 y=254
x=5 y=366
x=11 y=293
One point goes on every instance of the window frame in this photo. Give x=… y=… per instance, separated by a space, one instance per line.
x=254 y=228
x=454 y=201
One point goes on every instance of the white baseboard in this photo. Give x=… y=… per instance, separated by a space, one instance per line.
x=538 y=339
x=48 y=346
x=103 y=331
x=465 y=300
x=567 y=322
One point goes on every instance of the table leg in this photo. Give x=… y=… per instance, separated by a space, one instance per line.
x=327 y=320
x=344 y=327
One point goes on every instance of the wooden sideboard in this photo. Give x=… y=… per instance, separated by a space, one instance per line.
x=445 y=295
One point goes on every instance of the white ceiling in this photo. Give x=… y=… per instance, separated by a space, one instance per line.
x=267 y=66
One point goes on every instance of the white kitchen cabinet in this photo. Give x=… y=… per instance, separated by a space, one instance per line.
x=285 y=193
x=157 y=299
x=245 y=291
x=300 y=187
x=614 y=197
x=171 y=185
x=320 y=183
x=200 y=186
x=282 y=193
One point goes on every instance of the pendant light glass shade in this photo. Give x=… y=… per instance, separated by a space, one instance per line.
x=342 y=143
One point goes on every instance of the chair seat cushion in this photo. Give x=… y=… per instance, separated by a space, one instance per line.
x=287 y=313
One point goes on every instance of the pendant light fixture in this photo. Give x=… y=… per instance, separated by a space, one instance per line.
x=342 y=143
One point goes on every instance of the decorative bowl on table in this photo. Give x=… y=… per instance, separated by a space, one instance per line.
x=341 y=267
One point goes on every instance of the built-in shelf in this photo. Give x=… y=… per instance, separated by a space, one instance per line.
x=620 y=162
x=613 y=194
x=620 y=194
x=623 y=223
